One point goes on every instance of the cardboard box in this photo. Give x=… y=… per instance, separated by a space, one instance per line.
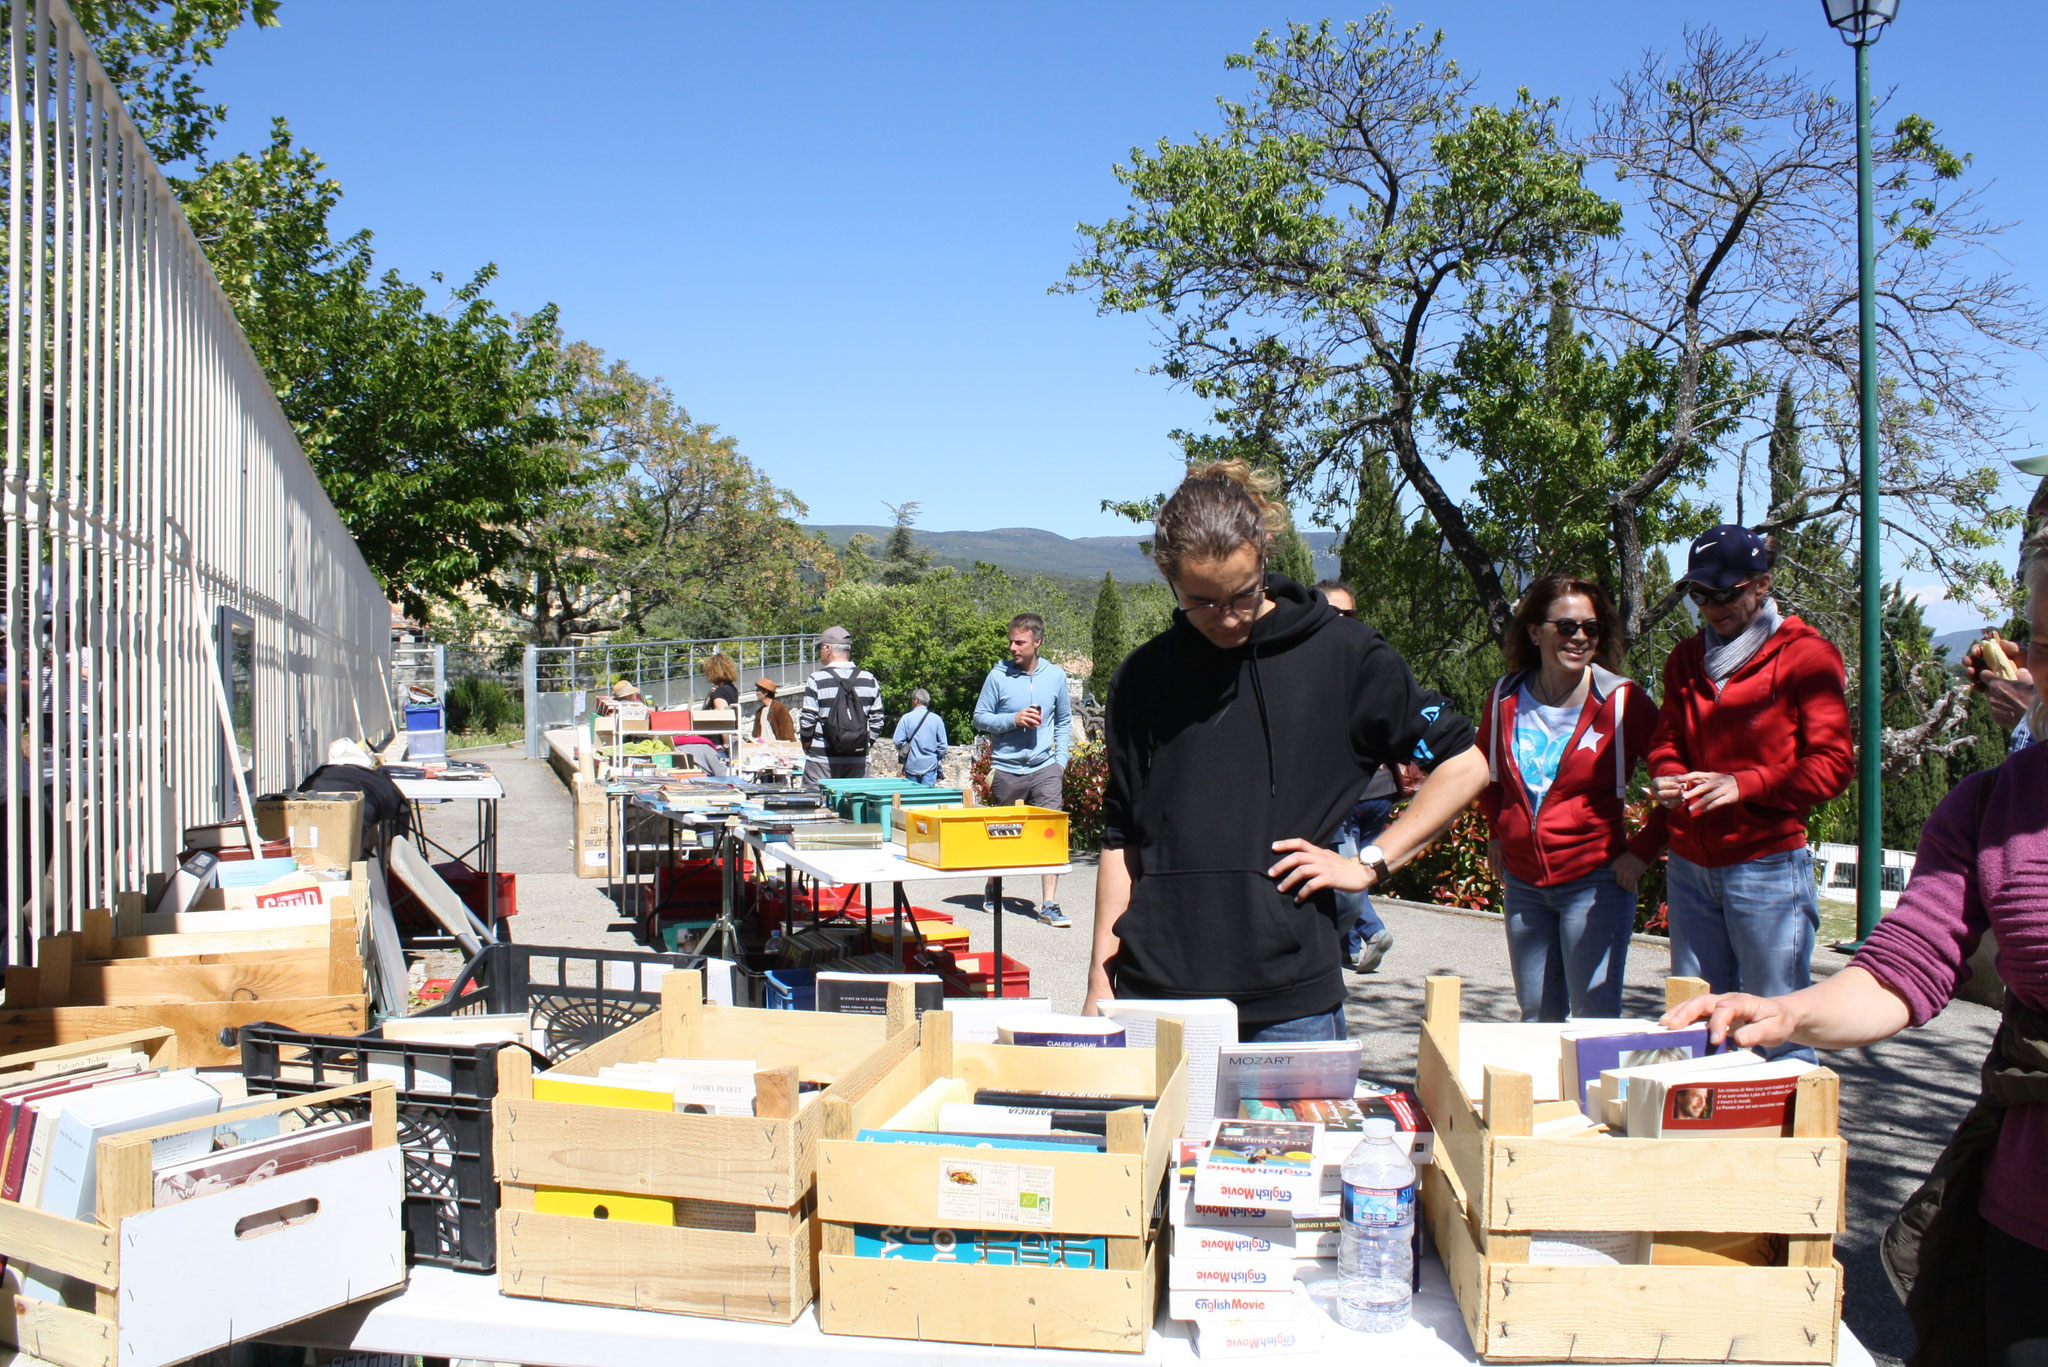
x=593 y=854
x=326 y=831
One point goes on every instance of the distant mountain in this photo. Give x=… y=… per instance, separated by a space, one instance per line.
x=1958 y=643
x=1028 y=550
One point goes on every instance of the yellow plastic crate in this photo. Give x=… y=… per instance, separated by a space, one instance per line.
x=985 y=837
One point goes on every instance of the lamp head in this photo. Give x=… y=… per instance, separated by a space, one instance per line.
x=1860 y=21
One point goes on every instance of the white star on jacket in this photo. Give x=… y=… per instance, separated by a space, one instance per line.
x=1591 y=740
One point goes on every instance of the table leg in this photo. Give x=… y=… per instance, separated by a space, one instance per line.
x=487 y=836
x=996 y=885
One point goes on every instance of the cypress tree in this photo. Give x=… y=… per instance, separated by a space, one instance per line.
x=1110 y=640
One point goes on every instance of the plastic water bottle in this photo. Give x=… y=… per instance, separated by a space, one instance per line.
x=1376 y=1254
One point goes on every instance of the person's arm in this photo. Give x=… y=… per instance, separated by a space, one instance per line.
x=807 y=711
x=1847 y=1011
x=902 y=732
x=1669 y=760
x=987 y=720
x=1112 y=899
x=1062 y=723
x=875 y=717
x=945 y=741
x=1823 y=760
x=1307 y=867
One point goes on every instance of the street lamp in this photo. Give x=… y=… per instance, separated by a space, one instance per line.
x=1860 y=22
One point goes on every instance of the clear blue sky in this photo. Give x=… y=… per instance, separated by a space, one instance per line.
x=831 y=226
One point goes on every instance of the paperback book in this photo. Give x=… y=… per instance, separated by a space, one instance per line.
x=1754 y=1102
x=1285 y=1072
x=1585 y=1054
x=994 y=1248
x=1260 y=1164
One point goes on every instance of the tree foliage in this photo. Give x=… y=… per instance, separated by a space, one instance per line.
x=1111 y=642
x=664 y=526
x=151 y=50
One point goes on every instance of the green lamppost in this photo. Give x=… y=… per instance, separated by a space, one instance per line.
x=1860 y=22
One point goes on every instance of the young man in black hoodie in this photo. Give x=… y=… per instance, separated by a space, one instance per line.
x=1238 y=741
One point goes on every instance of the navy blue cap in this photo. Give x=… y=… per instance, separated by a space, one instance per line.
x=1724 y=556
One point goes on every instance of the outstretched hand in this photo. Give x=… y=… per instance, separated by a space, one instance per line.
x=1309 y=868
x=1749 y=1022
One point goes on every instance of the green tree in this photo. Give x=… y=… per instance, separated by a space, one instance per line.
x=1310 y=264
x=1811 y=577
x=436 y=423
x=667 y=528
x=152 y=49
x=936 y=634
x=1111 y=641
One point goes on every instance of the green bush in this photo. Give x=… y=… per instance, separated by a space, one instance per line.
x=480 y=704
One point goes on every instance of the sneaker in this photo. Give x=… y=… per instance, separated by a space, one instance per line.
x=1051 y=915
x=989 y=903
x=1374 y=950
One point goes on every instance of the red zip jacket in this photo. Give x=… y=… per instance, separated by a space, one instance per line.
x=1581 y=825
x=1780 y=725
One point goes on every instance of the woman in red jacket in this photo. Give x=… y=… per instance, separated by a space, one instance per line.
x=1562 y=733
x=1754 y=736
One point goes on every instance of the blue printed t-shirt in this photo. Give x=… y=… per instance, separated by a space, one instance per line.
x=1541 y=734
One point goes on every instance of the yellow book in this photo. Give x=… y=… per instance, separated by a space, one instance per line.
x=605 y=1205
x=582 y=1091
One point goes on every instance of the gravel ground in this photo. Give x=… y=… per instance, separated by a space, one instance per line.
x=1899 y=1099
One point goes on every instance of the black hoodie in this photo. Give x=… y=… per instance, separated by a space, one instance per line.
x=1214 y=755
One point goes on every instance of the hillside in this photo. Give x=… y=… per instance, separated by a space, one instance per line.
x=1029 y=550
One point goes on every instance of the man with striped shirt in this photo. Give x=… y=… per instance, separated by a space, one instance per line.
x=849 y=759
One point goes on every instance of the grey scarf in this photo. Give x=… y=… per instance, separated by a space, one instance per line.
x=1725 y=657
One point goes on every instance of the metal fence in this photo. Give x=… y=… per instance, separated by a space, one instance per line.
x=669 y=673
x=170 y=557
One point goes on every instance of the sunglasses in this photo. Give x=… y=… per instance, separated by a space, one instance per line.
x=1716 y=597
x=1566 y=628
x=1352 y=613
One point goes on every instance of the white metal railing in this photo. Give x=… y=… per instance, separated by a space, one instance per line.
x=160 y=518
x=669 y=673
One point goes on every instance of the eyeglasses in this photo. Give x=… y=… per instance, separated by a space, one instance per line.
x=1243 y=605
x=1352 y=613
x=1566 y=628
x=1703 y=597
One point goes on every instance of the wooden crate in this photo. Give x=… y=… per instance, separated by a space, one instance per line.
x=172 y=1283
x=745 y=1245
x=1492 y=1187
x=1113 y=1194
x=204 y=984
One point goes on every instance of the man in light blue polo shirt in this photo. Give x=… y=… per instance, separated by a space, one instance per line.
x=1025 y=711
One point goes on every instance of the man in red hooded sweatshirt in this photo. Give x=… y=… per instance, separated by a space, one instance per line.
x=1754 y=735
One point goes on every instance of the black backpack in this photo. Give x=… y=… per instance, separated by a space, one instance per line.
x=846 y=724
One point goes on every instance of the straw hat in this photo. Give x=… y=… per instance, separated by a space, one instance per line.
x=766 y=686
x=625 y=688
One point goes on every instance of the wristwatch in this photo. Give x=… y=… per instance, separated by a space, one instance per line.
x=1376 y=860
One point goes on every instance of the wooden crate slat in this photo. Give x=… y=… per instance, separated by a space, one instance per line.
x=1713 y=1314
x=740 y=1276
x=70 y=1338
x=1039 y=1307
x=144 y=983
x=647 y=1153
x=1703 y=1186
x=71 y=1247
x=198 y=1024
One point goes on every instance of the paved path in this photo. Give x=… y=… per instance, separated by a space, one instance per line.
x=1899 y=1099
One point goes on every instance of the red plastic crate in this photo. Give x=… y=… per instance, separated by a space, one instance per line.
x=464 y=883
x=833 y=904
x=973 y=974
x=688 y=886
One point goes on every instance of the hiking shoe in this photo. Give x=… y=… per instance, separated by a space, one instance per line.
x=1051 y=915
x=1372 y=951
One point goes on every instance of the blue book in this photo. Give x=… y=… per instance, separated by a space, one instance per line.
x=254 y=873
x=1588 y=1056
x=997 y=1248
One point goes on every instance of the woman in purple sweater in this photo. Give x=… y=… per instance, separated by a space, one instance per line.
x=1983 y=864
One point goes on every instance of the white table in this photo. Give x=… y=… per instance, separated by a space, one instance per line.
x=486 y=792
x=888 y=865
x=461 y=1315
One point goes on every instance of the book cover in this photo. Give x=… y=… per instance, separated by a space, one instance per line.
x=1343 y=1120
x=1285 y=1072
x=1586 y=1057
x=246 y=1164
x=1259 y=1163
x=1229 y=1274
x=1236 y=1243
x=1732 y=1103
x=605 y=1205
x=1182 y=1209
x=1233 y=1339
x=933 y=1138
x=1045 y=1030
x=1248 y=1305
x=995 y=1248
x=585 y=1091
x=867 y=994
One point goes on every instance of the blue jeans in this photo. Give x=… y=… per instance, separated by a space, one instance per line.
x=930 y=780
x=1747 y=927
x=1301 y=1030
x=1568 y=945
x=1354 y=909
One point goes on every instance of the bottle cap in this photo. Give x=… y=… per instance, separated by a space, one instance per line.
x=1377 y=1128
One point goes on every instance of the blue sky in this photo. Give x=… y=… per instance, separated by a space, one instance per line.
x=831 y=226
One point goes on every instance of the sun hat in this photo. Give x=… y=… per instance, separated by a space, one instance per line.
x=766 y=686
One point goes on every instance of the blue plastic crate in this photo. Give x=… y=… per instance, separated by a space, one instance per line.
x=423 y=718
x=791 y=989
x=426 y=745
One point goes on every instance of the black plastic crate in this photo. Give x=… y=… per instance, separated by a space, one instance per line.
x=572 y=997
x=444 y=1125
